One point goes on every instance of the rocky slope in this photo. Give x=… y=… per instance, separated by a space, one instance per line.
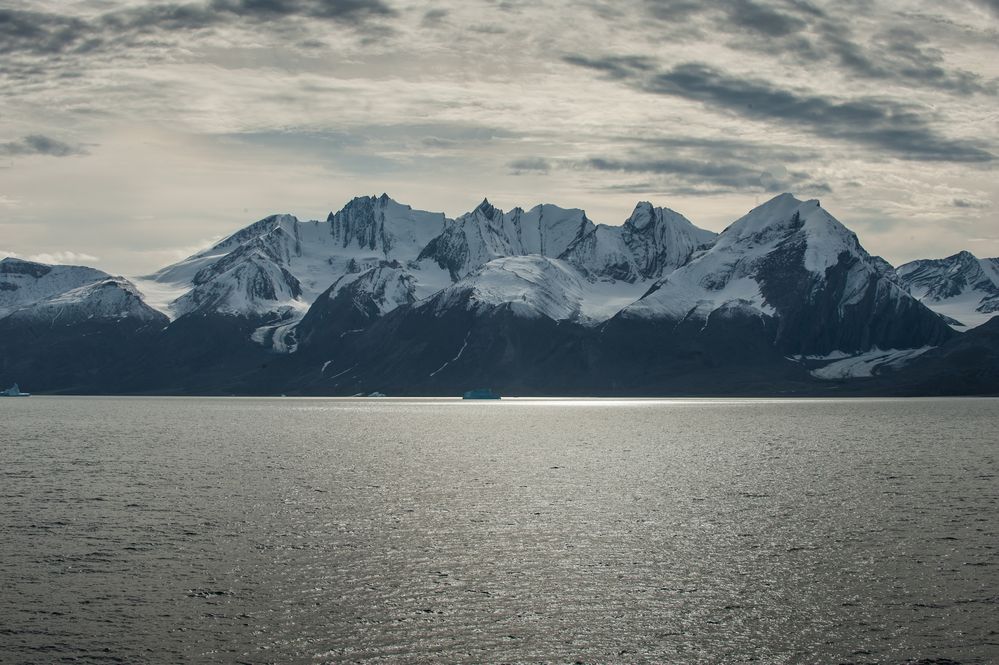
x=792 y=263
x=962 y=287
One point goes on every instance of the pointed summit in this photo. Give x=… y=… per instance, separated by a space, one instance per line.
x=486 y=208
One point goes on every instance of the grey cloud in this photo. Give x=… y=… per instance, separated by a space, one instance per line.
x=731 y=149
x=617 y=67
x=654 y=189
x=42 y=33
x=763 y=19
x=343 y=10
x=434 y=16
x=529 y=165
x=992 y=5
x=967 y=203
x=900 y=54
x=675 y=10
x=895 y=128
x=805 y=33
x=37 y=144
x=438 y=142
x=728 y=176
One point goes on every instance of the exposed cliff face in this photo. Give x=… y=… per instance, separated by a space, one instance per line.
x=652 y=242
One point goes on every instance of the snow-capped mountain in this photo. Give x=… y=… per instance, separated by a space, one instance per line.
x=273 y=270
x=379 y=296
x=24 y=283
x=388 y=255
x=792 y=262
x=279 y=265
x=533 y=286
x=530 y=286
x=488 y=233
x=353 y=302
x=111 y=299
x=651 y=243
x=962 y=287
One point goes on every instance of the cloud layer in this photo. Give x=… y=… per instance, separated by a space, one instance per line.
x=186 y=119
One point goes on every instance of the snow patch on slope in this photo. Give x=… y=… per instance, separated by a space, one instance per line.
x=867 y=364
x=24 y=283
x=961 y=287
x=113 y=298
x=536 y=286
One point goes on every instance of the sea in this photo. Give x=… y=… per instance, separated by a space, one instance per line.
x=384 y=530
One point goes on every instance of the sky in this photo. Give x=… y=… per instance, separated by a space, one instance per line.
x=133 y=134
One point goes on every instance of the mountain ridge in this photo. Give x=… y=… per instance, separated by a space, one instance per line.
x=379 y=290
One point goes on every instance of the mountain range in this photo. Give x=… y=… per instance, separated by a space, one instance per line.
x=382 y=297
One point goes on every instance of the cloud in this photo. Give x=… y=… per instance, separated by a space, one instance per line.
x=763 y=19
x=529 y=166
x=38 y=144
x=885 y=125
x=45 y=34
x=433 y=17
x=712 y=175
x=63 y=258
x=806 y=34
x=899 y=54
x=992 y=5
x=39 y=32
x=969 y=203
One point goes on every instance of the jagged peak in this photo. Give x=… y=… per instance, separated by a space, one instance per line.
x=646 y=215
x=361 y=205
x=486 y=208
x=963 y=255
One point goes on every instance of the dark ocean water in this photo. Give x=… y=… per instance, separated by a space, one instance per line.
x=680 y=531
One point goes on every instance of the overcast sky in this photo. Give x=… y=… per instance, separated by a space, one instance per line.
x=133 y=133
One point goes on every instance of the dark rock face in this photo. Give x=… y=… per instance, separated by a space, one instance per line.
x=968 y=364
x=92 y=357
x=449 y=250
x=813 y=318
x=421 y=350
x=415 y=351
x=358 y=223
x=343 y=309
